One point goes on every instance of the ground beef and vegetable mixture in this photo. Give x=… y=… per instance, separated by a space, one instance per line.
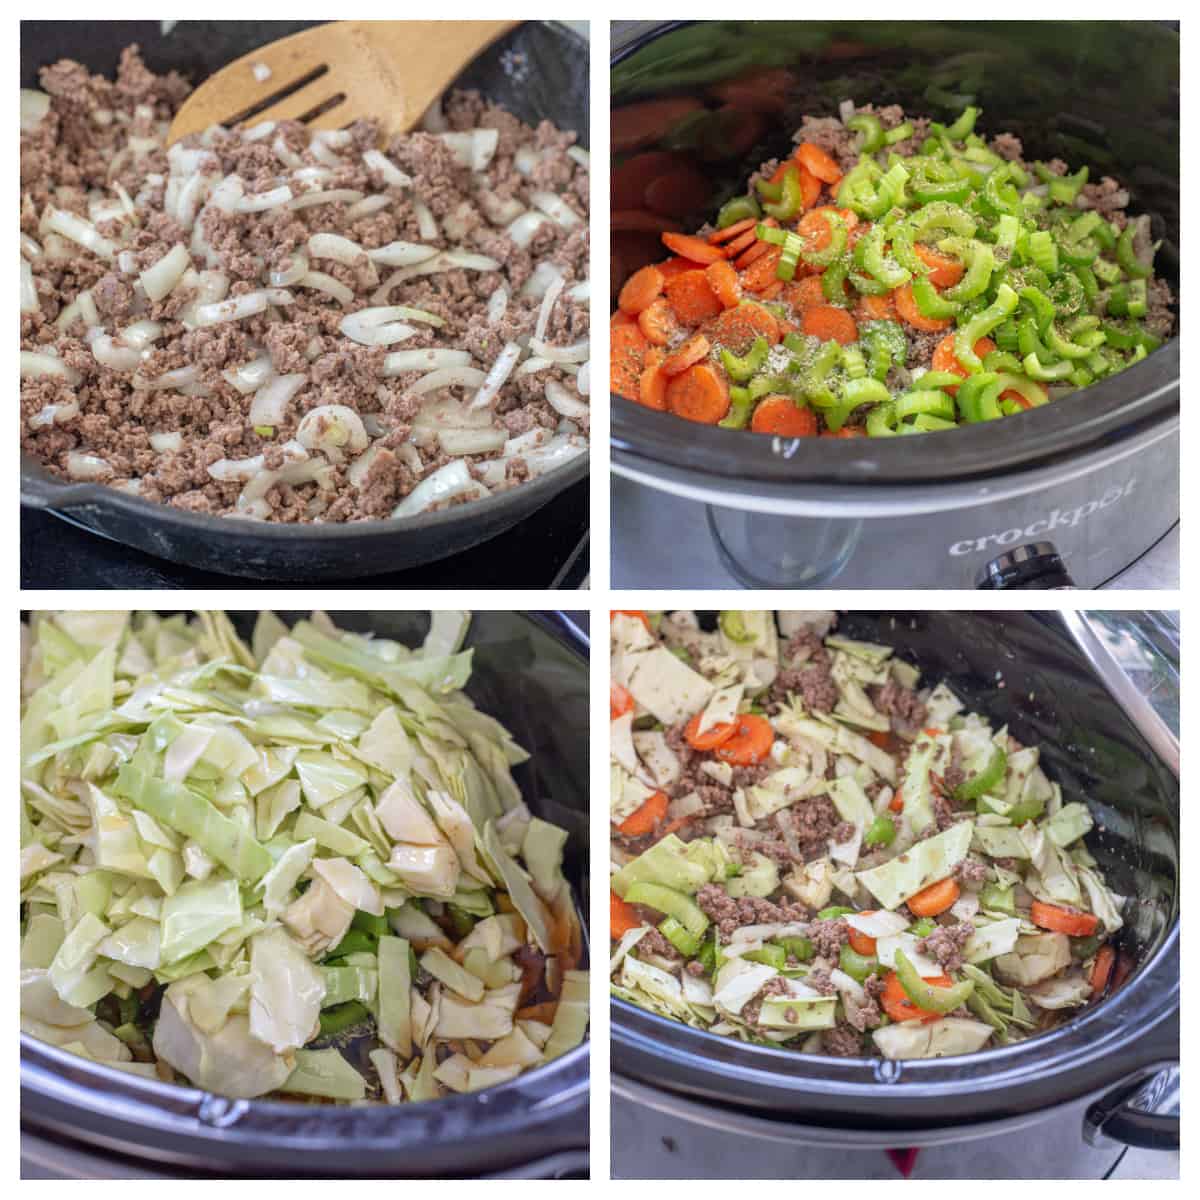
x=290 y=325
x=812 y=849
x=894 y=275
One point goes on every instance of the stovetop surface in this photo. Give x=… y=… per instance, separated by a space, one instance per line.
x=547 y=550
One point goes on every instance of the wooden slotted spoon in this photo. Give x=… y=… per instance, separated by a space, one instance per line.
x=389 y=70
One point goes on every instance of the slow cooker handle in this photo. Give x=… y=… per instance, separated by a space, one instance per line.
x=1128 y=1114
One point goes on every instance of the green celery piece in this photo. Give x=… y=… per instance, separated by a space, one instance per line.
x=671 y=903
x=925 y=995
x=188 y=812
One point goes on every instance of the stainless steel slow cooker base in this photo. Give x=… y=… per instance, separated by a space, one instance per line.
x=656 y=1135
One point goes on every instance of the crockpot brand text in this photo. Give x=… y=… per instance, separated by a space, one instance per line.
x=1059 y=518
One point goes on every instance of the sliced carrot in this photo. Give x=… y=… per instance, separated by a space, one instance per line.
x=627 y=356
x=906 y=306
x=814 y=228
x=830 y=324
x=846 y=431
x=622 y=917
x=899 y=1007
x=635 y=126
x=1106 y=956
x=875 y=308
x=627 y=187
x=934 y=899
x=862 y=943
x=751 y=742
x=731 y=231
x=740 y=243
x=652 y=387
x=678 y=193
x=810 y=187
x=543 y=1013
x=637 y=613
x=699 y=394
x=1061 y=920
x=670 y=267
x=692 y=298
x=1017 y=398
x=712 y=737
x=896 y=803
x=819 y=163
x=723 y=280
x=697 y=249
x=944 y=358
x=760 y=275
x=880 y=738
x=694 y=350
x=736 y=328
x=619 y=701
x=754 y=253
x=804 y=293
x=640 y=220
x=643 y=821
x=641 y=289
x=944 y=271
x=779 y=415
x=659 y=323
x=772 y=291
x=619 y=318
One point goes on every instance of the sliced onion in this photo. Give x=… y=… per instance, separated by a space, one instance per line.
x=575 y=352
x=581 y=293
x=531 y=366
x=141 y=334
x=557 y=209
x=553 y=291
x=564 y=403
x=285 y=153
x=402 y=254
x=29 y=295
x=521 y=230
x=160 y=280
x=366 y=206
x=544 y=275
x=457 y=442
x=456 y=224
x=263 y=129
x=334 y=246
x=88 y=310
x=583 y=381
x=87 y=466
x=497 y=377
x=34 y=106
x=357 y=472
x=177 y=379
x=467 y=261
x=526 y=160
x=269 y=406
x=264 y=201
x=54 y=414
x=81 y=232
x=228 y=194
x=444 y=484
x=497 y=305
x=500 y=210
x=320 y=282
x=295 y=268
x=167 y=443
x=235 y=309
x=190 y=196
x=29 y=247
x=249 y=377
x=443 y=377
x=376 y=160
x=555 y=453
x=427 y=225
x=434 y=266
x=376 y=327
x=332 y=428
x=336 y=196
x=231 y=470
x=581 y=156
x=401 y=361
x=34 y=365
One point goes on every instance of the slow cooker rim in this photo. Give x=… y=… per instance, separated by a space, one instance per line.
x=195 y=1116
x=654 y=438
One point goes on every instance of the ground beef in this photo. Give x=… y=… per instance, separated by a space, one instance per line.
x=1108 y=198
x=954 y=776
x=867 y=1014
x=655 y=942
x=729 y=913
x=945 y=813
x=971 y=872
x=71 y=153
x=820 y=980
x=807 y=673
x=842 y=1041
x=1160 y=303
x=902 y=705
x=946 y=943
x=816 y=822
x=828 y=937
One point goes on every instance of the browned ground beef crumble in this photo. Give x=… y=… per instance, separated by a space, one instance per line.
x=99 y=136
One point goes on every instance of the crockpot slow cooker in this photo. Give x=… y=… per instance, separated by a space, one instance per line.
x=1098 y=693
x=82 y=1120
x=1096 y=473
